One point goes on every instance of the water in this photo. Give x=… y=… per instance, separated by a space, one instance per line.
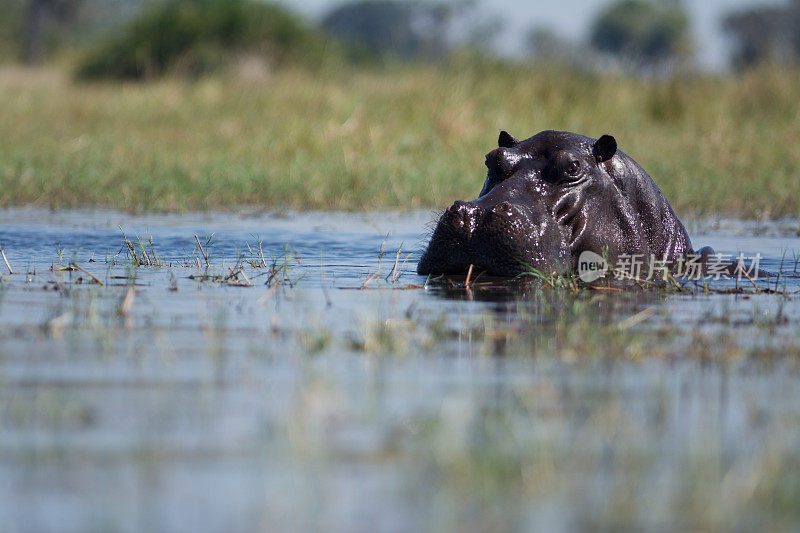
x=312 y=403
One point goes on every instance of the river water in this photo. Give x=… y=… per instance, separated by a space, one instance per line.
x=328 y=387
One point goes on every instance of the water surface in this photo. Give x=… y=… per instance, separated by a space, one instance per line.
x=351 y=395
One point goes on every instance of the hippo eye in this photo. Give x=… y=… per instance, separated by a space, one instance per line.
x=573 y=167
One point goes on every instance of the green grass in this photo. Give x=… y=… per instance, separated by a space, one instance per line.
x=402 y=137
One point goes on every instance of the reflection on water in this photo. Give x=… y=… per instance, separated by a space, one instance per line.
x=307 y=403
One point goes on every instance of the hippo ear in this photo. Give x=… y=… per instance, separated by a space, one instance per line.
x=604 y=148
x=506 y=140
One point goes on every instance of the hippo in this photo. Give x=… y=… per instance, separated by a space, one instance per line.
x=550 y=198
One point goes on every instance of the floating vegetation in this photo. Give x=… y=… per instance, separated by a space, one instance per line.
x=140 y=253
x=3 y=255
x=768 y=283
x=394 y=274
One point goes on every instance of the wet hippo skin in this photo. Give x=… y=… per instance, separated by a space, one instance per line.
x=549 y=198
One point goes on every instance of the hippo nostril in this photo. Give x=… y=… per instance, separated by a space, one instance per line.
x=464 y=216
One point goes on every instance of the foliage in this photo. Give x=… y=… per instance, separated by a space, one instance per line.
x=60 y=13
x=644 y=32
x=765 y=34
x=33 y=30
x=199 y=35
x=545 y=45
x=408 y=30
x=11 y=29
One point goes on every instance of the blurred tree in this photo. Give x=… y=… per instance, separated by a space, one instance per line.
x=11 y=17
x=765 y=34
x=36 y=16
x=543 y=44
x=645 y=33
x=377 y=25
x=197 y=37
x=405 y=29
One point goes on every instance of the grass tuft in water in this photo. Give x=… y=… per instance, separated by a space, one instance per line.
x=140 y=252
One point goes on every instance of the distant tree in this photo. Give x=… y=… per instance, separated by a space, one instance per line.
x=404 y=29
x=545 y=45
x=11 y=17
x=34 y=22
x=36 y=16
x=646 y=33
x=199 y=37
x=765 y=34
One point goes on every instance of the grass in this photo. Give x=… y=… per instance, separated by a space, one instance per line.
x=404 y=137
x=137 y=251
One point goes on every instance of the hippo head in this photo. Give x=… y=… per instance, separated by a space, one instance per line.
x=545 y=201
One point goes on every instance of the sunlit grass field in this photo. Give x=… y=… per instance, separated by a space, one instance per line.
x=400 y=137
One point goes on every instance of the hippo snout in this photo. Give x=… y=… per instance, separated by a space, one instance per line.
x=464 y=217
x=485 y=233
x=467 y=218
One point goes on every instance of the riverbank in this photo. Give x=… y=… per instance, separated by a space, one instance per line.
x=411 y=137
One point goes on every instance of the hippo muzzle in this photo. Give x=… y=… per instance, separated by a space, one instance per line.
x=501 y=236
x=547 y=199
